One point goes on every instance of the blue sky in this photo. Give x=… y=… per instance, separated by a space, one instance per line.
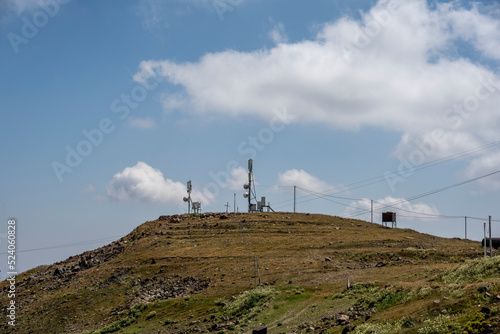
x=109 y=107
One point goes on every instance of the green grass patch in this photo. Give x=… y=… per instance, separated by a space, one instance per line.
x=472 y=271
x=248 y=300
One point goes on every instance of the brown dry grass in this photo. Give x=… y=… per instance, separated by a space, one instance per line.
x=289 y=247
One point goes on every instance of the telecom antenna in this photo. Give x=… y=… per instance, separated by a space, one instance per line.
x=188 y=199
x=248 y=186
x=251 y=194
x=195 y=205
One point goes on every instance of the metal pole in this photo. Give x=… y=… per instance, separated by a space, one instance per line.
x=250 y=168
x=255 y=269
x=249 y=191
x=465 y=227
x=258 y=273
x=484 y=227
x=294 y=197
x=491 y=243
x=372 y=211
x=234 y=206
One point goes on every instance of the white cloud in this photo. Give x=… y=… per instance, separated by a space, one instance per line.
x=474 y=27
x=278 y=34
x=233 y=179
x=88 y=189
x=302 y=179
x=141 y=123
x=397 y=68
x=389 y=203
x=482 y=166
x=143 y=183
x=153 y=14
x=238 y=177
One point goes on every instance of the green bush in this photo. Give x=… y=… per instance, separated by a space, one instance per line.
x=248 y=300
x=380 y=328
x=151 y=315
x=442 y=324
x=136 y=310
x=382 y=298
x=472 y=270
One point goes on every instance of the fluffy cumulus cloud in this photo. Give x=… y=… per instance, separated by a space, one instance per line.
x=143 y=183
x=302 y=179
x=482 y=166
x=278 y=34
x=238 y=177
x=362 y=208
x=398 y=67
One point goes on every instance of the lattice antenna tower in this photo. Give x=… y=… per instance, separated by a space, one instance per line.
x=188 y=198
x=250 y=186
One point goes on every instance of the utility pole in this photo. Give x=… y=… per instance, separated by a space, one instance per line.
x=484 y=227
x=294 y=197
x=227 y=207
x=234 y=206
x=465 y=227
x=258 y=272
x=372 y=210
x=491 y=241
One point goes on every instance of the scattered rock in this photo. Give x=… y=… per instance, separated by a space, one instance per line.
x=347 y=329
x=436 y=301
x=59 y=272
x=157 y=288
x=483 y=289
x=223 y=216
x=327 y=259
x=342 y=319
x=485 y=310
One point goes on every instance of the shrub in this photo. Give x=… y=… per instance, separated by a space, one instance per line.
x=151 y=315
x=472 y=270
x=137 y=309
x=379 y=328
x=442 y=324
x=382 y=298
x=248 y=300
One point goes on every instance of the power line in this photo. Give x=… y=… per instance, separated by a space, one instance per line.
x=82 y=243
x=432 y=192
x=380 y=178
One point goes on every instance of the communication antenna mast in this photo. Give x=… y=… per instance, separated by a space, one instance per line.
x=188 y=199
x=251 y=194
x=248 y=186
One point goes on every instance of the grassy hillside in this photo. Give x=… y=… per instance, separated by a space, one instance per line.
x=319 y=274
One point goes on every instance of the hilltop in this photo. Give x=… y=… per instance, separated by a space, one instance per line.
x=318 y=273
